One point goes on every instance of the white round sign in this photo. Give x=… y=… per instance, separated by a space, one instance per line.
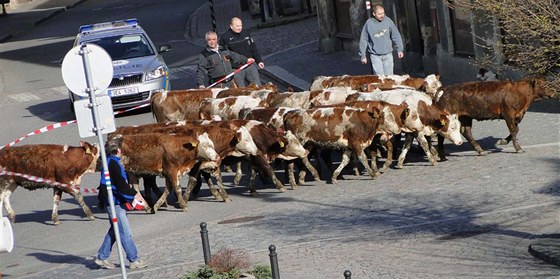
x=100 y=68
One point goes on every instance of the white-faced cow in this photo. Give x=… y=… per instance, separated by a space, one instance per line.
x=346 y=129
x=59 y=163
x=423 y=120
x=171 y=156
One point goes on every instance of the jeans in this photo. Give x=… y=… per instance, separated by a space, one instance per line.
x=382 y=65
x=125 y=234
x=247 y=76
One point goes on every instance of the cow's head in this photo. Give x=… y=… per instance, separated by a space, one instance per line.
x=542 y=89
x=245 y=143
x=450 y=127
x=92 y=152
x=431 y=84
x=294 y=148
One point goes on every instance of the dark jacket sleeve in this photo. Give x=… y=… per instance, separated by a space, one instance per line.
x=254 y=51
x=223 y=42
x=201 y=70
x=119 y=182
x=237 y=58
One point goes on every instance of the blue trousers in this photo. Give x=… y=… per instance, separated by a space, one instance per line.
x=382 y=65
x=125 y=234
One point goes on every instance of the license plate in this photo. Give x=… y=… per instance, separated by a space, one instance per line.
x=123 y=91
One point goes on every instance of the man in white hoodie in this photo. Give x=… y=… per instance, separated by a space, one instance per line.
x=378 y=36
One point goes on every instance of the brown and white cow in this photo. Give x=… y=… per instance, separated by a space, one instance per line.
x=367 y=83
x=508 y=100
x=393 y=124
x=60 y=163
x=229 y=108
x=423 y=120
x=346 y=129
x=171 y=156
x=247 y=90
x=226 y=141
x=273 y=144
x=178 y=105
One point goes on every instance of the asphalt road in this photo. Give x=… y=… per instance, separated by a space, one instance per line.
x=472 y=216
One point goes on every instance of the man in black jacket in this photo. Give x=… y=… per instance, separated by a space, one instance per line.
x=215 y=62
x=238 y=40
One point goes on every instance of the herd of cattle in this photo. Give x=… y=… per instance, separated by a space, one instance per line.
x=200 y=130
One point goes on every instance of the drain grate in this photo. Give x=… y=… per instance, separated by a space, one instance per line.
x=241 y=220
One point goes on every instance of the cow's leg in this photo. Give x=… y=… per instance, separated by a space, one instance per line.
x=466 y=131
x=389 y=145
x=194 y=179
x=311 y=168
x=9 y=188
x=221 y=192
x=431 y=147
x=441 y=148
x=238 y=174
x=261 y=164
x=168 y=185
x=364 y=160
x=179 y=192
x=355 y=167
x=252 y=179
x=406 y=146
x=290 y=169
x=80 y=199
x=57 y=196
x=513 y=130
x=425 y=146
x=345 y=160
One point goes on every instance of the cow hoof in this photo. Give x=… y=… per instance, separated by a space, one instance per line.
x=334 y=181
x=443 y=159
x=482 y=152
x=400 y=167
x=520 y=151
x=254 y=194
x=502 y=142
x=282 y=190
x=56 y=222
x=184 y=209
x=227 y=200
x=91 y=218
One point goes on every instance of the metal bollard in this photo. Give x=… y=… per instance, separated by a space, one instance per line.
x=212 y=15
x=347 y=274
x=274 y=262
x=205 y=243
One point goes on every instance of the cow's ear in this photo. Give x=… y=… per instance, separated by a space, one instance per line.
x=405 y=114
x=443 y=121
x=375 y=114
x=235 y=140
x=190 y=145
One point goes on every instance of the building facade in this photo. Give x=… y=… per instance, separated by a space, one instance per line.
x=437 y=39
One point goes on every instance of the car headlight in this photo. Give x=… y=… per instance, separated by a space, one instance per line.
x=157 y=73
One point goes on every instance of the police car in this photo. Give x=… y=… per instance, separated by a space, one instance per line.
x=138 y=67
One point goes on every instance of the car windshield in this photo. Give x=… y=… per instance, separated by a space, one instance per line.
x=125 y=47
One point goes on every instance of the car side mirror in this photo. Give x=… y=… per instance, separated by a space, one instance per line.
x=164 y=48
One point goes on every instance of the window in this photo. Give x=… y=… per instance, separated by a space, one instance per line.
x=462 y=31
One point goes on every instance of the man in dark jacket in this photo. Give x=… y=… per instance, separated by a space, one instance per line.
x=238 y=40
x=214 y=62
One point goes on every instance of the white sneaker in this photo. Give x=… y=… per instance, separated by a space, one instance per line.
x=138 y=264
x=104 y=263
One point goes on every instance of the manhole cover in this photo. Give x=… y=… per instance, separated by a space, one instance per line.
x=241 y=220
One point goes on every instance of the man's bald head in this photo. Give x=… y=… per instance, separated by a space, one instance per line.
x=236 y=25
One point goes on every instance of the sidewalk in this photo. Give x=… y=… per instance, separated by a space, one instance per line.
x=291 y=56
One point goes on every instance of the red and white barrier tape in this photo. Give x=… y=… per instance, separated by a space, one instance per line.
x=230 y=75
x=62 y=124
x=48 y=181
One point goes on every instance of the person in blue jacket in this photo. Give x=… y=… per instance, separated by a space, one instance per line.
x=379 y=34
x=123 y=195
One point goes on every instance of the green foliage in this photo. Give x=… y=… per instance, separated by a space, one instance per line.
x=261 y=271
x=530 y=34
x=229 y=264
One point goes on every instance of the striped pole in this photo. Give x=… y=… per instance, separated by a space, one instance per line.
x=211 y=3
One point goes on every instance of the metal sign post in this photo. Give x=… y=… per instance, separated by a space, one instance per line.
x=69 y=70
